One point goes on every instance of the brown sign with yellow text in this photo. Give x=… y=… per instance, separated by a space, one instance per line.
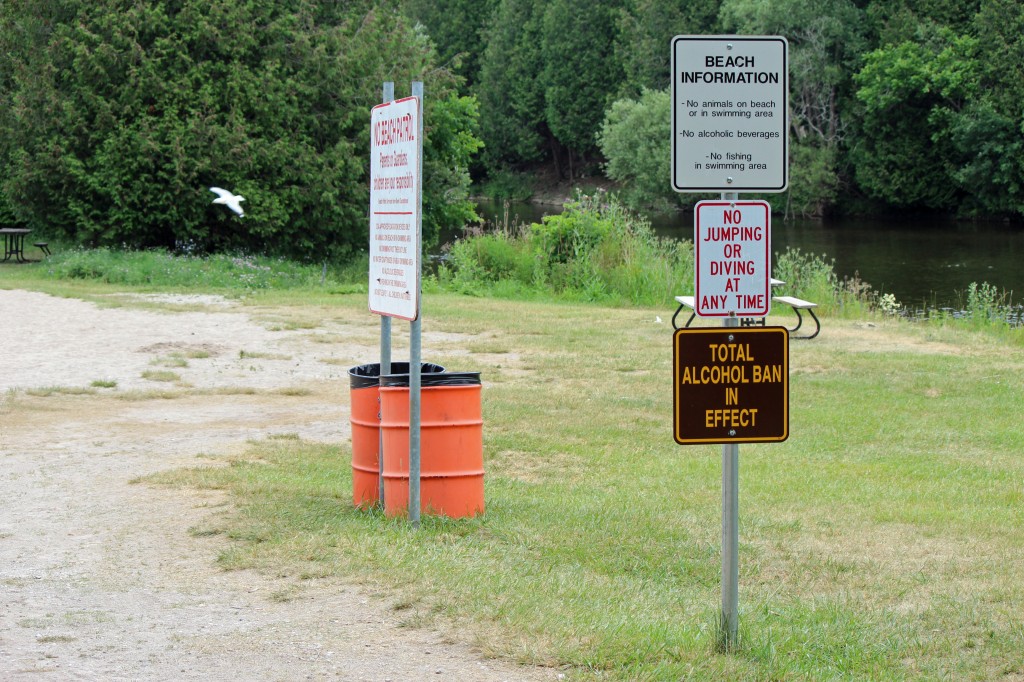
x=731 y=385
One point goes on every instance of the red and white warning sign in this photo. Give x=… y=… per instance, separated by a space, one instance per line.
x=732 y=243
x=395 y=205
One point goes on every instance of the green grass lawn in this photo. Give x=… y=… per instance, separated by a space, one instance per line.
x=884 y=540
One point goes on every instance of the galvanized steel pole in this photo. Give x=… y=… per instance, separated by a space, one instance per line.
x=730 y=537
x=729 y=625
x=385 y=351
x=415 y=350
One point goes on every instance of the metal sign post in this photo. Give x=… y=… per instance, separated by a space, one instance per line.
x=730 y=620
x=415 y=329
x=385 y=345
x=730 y=130
x=396 y=229
x=729 y=624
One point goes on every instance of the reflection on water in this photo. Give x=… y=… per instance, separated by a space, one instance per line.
x=923 y=262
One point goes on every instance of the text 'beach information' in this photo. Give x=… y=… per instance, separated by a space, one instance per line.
x=730 y=99
x=395 y=207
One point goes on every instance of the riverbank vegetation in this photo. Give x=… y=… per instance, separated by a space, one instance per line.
x=596 y=251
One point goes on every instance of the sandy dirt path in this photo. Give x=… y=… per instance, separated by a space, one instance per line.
x=100 y=578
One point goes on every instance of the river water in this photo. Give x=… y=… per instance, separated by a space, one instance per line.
x=923 y=262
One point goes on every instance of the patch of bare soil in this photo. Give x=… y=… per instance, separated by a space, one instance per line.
x=100 y=578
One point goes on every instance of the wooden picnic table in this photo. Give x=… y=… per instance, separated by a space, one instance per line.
x=688 y=302
x=14 y=243
x=796 y=304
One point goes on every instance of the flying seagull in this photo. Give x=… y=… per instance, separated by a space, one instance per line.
x=232 y=201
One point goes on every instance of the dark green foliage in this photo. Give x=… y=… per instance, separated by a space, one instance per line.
x=581 y=76
x=510 y=89
x=507 y=186
x=451 y=142
x=909 y=94
x=992 y=173
x=999 y=27
x=989 y=133
x=645 y=28
x=897 y=20
x=118 y=115
x=125 y=113
x=814 y=182
x=826 y=41
x=457 y=28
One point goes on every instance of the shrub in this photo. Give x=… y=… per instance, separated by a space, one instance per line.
x=634 y=140
x=488 y=258
x=807 y=276
x=987 y=306
x=595 y=250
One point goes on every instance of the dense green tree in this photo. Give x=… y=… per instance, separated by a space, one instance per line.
x=989 y=133
x=122 y=114
x=510 y=91
x=990 y=148
x=117 y=114
x=999 y=27
x=457 y=28
x=645 y=29
x=909 y=95
x=826 y=40
x=893 y=21
x=451 y=132
x=581 y=75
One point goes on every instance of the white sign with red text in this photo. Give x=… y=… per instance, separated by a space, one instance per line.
x=732 y=245
x=395 y=206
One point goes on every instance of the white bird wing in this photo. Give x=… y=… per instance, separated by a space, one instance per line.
x=229 y=199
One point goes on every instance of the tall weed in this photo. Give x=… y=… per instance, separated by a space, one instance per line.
x=813 y=278
x=987 y=306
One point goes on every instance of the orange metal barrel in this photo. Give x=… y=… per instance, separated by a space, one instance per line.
x=451 y=444
x=365 y=420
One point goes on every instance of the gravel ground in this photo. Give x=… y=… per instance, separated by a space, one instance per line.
x=99 y=576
